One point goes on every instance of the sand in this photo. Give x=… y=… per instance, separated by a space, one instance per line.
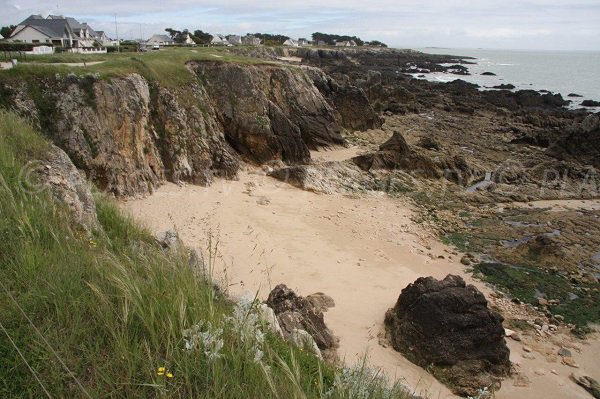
x=360 y=251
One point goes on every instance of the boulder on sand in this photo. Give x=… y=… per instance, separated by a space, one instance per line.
x=446 y=326
x=296 y=313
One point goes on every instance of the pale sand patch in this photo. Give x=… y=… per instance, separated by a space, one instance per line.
x=562 y=205
x=335 y=154
x=290 y=59
x=217 y=56
x=362 y=252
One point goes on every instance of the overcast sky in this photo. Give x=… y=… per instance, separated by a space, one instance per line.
x=507 y=24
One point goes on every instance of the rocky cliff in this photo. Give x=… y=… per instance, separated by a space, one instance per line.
x=130 y=134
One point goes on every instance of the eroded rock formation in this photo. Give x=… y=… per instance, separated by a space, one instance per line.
x=296 y=313
x=447 y=327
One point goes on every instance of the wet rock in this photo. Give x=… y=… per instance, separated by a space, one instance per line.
x=488 y=74
x=297 y=313
x=590 y=103
x=447 y=327
x=504 y=86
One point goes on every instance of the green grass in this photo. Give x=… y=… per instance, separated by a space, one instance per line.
x=96 y=316
x=459 y=240
x=166 y=66
x=527 y=283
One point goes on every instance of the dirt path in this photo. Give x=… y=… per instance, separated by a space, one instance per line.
x=362 y=252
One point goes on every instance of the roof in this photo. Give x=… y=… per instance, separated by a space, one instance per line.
x=160 y=38
x=51 y=27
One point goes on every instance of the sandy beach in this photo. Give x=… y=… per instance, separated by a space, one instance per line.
x=360 y=251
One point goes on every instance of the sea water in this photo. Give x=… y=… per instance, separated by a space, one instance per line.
x=563 y=72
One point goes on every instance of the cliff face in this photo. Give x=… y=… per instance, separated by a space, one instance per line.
x=269 y=112
x=129 y=135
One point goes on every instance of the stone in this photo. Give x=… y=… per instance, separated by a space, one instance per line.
x=321 y=301
x=267 y=316
x=304 y=340
x=447 y=327
x=167 y=239
x=527 y=349
x=587 y=383
x=68 y=186
x=297 y=313
x=569 y=361
x=521 y=380
x=528 y=356
x=542 y=302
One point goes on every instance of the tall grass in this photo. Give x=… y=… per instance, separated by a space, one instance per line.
x=105 y=315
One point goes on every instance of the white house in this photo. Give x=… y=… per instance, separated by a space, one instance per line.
x=188 y=39
x=160 y=40
x=304 y=42
x=219 y=40
x=234 y=40
x=58 y=31
x=349 y=43
x=291 y=43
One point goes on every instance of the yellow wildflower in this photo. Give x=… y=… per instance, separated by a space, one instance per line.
x=161 y=371
x=169 y=375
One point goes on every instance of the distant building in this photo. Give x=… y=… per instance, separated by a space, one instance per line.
x=234 y=40
x=187 y=38
x=291 y=43
x=58 y=31
x=302 y=42
x=321 y=43
x=160 y=40
x=219 y=40
x=349 y=43
x=251 y=40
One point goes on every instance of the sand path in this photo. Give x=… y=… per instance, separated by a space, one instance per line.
x=361 y=252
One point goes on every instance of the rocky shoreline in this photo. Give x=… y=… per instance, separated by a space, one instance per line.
x=464 y=158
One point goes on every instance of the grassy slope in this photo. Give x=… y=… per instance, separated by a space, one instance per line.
x=166 y=66
x=98 y=315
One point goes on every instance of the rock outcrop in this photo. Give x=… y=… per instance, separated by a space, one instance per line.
x=295 y=314
x=130 y=135
x=269 y=112
x=68 y=187
x=447 y=327
x=350 y=102
x=397 y=154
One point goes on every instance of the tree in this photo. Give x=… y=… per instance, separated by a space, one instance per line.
x=173 y=33
x=375 y=43
x=6 y=31
x=332 y=39
x=200 y=37
x=271 y=40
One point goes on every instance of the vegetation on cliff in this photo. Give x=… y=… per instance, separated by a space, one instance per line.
x=112 y=314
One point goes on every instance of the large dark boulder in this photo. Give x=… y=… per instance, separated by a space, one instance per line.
x=447 y=327
x=298 y=313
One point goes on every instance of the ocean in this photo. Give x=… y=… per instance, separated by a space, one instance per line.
x=561 y=72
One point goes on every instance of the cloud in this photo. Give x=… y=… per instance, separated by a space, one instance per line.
x=543 y=24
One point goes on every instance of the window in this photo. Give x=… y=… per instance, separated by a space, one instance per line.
x=35 y=41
